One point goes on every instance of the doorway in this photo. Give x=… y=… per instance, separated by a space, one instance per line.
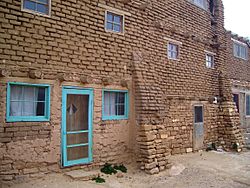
x=77 y=112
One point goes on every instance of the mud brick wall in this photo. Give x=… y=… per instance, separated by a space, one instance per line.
x=73 y=43
x=32 y=149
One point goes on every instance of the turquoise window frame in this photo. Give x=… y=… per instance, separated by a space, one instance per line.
x=126 y=104
x=46 y=117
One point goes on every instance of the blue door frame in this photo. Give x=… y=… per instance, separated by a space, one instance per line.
x=64 y=146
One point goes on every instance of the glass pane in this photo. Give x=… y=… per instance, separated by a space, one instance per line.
x=117 y=28
x=110 y=17
x=41 y=94
x=198 y=112
x=248 y=105
x=29 y=5
x=40 y=108
x=42 y=8
x=109 y=26
x=29 y=109
x=106 y=104
x=120 y=110
x=117 y=19
x=43 y=1
x=29 y=93
x=79 y=152
x=16 y=108
x=16 y=93
x=236 y=100
x=77 y=112
x=79 y=138
x=120 y=98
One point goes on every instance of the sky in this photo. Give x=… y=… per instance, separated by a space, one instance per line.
x=237 y=16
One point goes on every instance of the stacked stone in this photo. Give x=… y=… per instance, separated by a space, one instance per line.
x=230 y=132
x=153 y=149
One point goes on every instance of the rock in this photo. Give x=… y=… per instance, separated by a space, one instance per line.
x=176 y=169
x=119 y=175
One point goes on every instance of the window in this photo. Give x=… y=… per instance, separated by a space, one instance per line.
x=114 y=22
x=115 y=105
x=173 y=51
x=37 y=6
x=28 y=102
x=200 y=3
x=236 y=100
x=248 y=105
x=240 y=50
x=209 y=61
x=198 y=114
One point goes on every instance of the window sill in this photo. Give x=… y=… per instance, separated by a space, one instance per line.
x=27 y=119
x=241 y=58
x=115 y=118
x=36 y=13
x=114 y=32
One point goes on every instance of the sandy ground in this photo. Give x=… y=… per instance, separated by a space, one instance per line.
x=202 y=170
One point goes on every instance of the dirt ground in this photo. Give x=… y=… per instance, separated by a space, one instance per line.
x=202 y=170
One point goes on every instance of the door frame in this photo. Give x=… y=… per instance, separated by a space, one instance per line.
x=194 y=125
x=76 y=90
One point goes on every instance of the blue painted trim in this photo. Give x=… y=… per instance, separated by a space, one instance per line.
x=77 y=132
x=46 y=117
x=77 y=145
x=76 y=90
x=116 y=117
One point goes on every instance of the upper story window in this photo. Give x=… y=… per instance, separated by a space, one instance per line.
x=114 y=22
x=209 y=60
x=240 y=50
x=173 y=51
x=247 y=105
x=37 y=6
x=200 y=3
x=28 y=102
x=115 y=104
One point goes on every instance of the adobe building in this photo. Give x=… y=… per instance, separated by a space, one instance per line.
x=238 y=67
x=89 y=82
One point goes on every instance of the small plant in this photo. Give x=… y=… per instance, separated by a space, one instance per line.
x=99 y=180
x=122 y=168
x=108 y=169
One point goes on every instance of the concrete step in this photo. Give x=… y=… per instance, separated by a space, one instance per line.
x=82 y=174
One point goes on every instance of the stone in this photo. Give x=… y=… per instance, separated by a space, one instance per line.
x=176 y=169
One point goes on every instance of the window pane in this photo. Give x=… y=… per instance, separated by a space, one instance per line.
x=40 y=108
x=106 y=104
x=117 y=28
x=42 y=8
x=248 y=105
x=198 y=111
x=41 y=94
x=29 y=5
x=29 y=93
x=120 y=110
x=117 y=19
x=43 y=1
x=112 y=103
x=16 y=108
x=236 y=100
x=16 y=93
x=110 y=17
x=28 y=109
x=109 y=26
